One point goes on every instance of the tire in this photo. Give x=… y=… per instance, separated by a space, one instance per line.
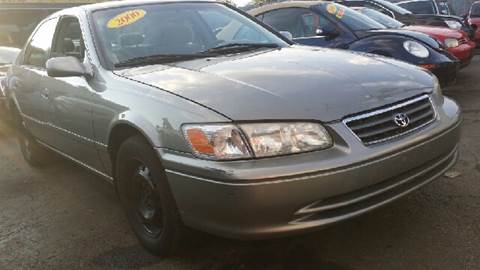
x=146 y=197
x=33 y=153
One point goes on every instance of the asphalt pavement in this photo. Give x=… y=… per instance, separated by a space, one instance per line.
x=63 y=217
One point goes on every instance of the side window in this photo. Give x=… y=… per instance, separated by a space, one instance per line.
x=300 y=22
x=314 y=23
x=69 y=41
x=287 y=19
x=380 y=9
x=39 y=47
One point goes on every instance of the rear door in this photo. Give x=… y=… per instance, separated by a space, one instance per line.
x=28 y=80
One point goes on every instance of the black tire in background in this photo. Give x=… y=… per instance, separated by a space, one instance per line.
x=146 y=197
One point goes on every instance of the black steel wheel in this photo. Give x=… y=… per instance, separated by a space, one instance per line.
x=146 y=197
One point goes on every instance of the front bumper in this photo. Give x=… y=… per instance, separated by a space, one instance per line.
x=280 y=196
x=446 y=72
x=464 y=53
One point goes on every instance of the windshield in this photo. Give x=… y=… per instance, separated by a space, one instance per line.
x=393 y=7
x=475 y=11
x=17 y=25
x=421 y=7
x=176 y=29
x=388 y=21
x=8 y=55
x=352 y=19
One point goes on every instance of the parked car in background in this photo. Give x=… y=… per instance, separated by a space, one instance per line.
x=408 y=18
x=7 y=57
x=327 y=24
x=426 y=6
x=456 y=42
x=474 y=19
x=227 y=127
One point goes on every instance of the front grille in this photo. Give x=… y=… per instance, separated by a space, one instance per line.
x=393 y=121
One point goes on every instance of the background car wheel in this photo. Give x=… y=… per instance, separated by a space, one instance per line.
x=32 y=151
x=146 y=197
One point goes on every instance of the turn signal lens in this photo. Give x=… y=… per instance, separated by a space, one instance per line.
x=218 y=142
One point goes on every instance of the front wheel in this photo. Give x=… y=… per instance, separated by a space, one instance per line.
x=145 y=195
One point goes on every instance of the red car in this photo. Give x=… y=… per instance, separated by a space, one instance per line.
x=456 y=42
x=474 y=19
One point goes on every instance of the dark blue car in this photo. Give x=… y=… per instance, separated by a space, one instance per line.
x=326 y=24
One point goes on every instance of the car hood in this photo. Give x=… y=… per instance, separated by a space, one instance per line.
x=439 y=32
x=406 y=33
x=288 y=83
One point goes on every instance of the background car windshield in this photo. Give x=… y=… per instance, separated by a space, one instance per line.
x=475 y=12
x=17 y=25
x=425 y=7
x=381 y=18
x=352 y=19
x=393 y=7
x=174 y=29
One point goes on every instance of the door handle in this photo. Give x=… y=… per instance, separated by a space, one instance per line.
x=45 y=93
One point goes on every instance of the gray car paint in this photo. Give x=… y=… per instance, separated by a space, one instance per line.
x=82 y=115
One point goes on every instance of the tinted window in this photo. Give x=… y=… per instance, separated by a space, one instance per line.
x=444 y=8
x=395 y=8
x=40 y=44
x=475 y=11
x=69 y=41
x=299 y=22
x=381 y=18
x=426 y=7
x=349 y=17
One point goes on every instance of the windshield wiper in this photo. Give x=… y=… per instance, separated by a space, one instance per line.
x=240 y=47
x=161 y=59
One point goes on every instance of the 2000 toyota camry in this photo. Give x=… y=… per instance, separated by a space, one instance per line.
x=202 y=116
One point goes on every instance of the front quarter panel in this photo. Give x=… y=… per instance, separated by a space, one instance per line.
x=156 y=114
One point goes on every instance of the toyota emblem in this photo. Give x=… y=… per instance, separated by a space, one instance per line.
x=401 y=119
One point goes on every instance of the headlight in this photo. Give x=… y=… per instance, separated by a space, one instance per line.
x=227 y=141
x=453 y=24
x=416 y=49
x=286 y=138
x=451 y=42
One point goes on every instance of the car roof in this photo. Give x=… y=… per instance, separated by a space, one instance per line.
x=287 y=4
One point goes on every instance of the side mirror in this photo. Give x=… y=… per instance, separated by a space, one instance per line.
x=327 y=33
x=287 y=34
x=67 y=66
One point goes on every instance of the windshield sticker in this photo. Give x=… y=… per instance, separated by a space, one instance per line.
x=332 y=9
x=340 y=13
x=126 y=18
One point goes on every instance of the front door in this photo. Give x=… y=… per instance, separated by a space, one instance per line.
x=70 y=99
